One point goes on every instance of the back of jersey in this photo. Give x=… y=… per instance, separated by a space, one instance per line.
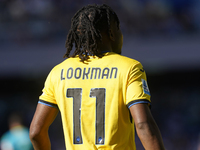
x=93 y=98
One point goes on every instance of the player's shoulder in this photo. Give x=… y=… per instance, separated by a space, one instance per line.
x=56 y=69
x=124 y=60
x=66 y=62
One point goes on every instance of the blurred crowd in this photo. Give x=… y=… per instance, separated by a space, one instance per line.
x=179 y=116
x=24 y=20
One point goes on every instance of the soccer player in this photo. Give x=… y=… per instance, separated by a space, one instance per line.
x=100 y=94
x=17 y=137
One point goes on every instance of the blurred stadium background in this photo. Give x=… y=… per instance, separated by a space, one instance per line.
x=164 y=35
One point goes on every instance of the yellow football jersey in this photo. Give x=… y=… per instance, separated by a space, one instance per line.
x=94 y=97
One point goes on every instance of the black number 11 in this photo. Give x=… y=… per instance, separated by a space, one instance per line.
x=76 y=94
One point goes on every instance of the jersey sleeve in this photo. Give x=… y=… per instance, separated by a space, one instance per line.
x=137 y=87
x=48 y=95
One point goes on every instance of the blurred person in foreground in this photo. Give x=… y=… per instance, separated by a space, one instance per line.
x=17 y=138
x=99 y=93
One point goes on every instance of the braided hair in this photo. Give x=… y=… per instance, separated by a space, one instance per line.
x=85 y=32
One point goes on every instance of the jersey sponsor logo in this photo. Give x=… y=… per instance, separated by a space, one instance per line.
x=142 y=70
x=145 y=87
x=89 y=73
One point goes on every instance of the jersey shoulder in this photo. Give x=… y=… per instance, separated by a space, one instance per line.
x=66 y=62
x=123 y=61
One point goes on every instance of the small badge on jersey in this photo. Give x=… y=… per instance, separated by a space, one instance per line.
x=145 y=87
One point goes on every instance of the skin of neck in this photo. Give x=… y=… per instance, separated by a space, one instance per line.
x=105 y=43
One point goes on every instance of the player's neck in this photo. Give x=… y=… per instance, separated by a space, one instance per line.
x=104 y=44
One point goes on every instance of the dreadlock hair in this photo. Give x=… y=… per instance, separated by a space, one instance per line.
x=85 y=32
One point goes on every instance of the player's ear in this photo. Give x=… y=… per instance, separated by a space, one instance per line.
x=111 y=35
